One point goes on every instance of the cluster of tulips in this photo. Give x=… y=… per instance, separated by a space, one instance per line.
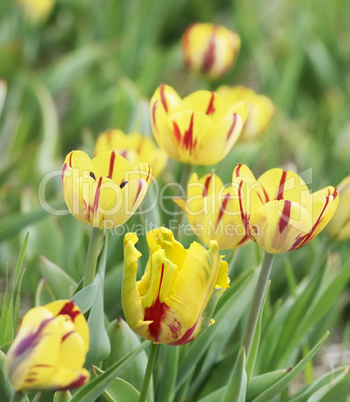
x=174 y=301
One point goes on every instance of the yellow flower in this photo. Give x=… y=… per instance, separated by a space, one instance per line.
x=199 y=129
x=105 y=191
x=339 y=226
x=214 y=212
x=36 y=10
x=280 y=213
x=261 y=109
x=134 y=147
x=49 y=349
x=175 y=299
x=210 y=49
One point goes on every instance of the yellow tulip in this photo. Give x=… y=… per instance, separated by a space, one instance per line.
x=280 y=213
x=134 y=147
x=105 y=191
x=49 y=349
x=261 y=109
x=213 y=211
x=175 y=299
x=339 y=226
x=36 y=10
x=199 y=129
x=210 y=49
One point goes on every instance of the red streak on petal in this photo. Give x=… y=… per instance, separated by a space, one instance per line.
x=177 y=132
x=209 y=55
x=238 y=168
x=245 y=238
x=230 y=131
x=64 y=168
x=243 y=215
x=187 y=336
x=303 y=240
x=70 y=159
x=111 y=164
x=124 y=154
x=64 y=337
x=97 y=197
x=281 y=187
x=284 y=219
x=211 y=108
x=68 y=309
x=42 y=365
x=156 y=313
x=188 y=137
x=74 y=384
x=206 y=185
x=267 y=199
x=222 y=208
x=154 y=107
x=139 y=188
x=163 y=98
x=139 y=147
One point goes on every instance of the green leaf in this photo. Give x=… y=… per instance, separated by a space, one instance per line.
x=12 y=224
x=279 y=386
x=59 y=281
x=119 y=390
x=85 y=297
x=62 y=396
x=43 y=294
x=260 y=383
x=5 y=385
x=95 y=387
x=327 y=380
x=237 y=386
x=316 y=311
x=123 y=340
x=99 y=341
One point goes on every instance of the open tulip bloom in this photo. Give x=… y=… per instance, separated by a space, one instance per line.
x=278 y=211
x=49 y=349
x=104 y=191
x=175 y=299
x=197 y=130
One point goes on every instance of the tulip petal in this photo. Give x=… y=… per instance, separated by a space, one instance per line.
x=278 y=184
x=277 y=225
x=163 y=238
x=131 y=300
x=111 y=165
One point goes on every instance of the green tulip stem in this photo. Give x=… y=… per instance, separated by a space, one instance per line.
x=187 y=171
x=92 y=255
x=257 y=302
x=17 y=396
x=148 y=373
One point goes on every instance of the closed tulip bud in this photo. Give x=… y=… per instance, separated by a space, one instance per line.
x=261 y=109
x=134 y=147
x=210 y=49
x=213 y=211
x=105 y=191
x=175 y=299
x=278 y=210
x=49 y=350
x=339 y=227
x=199 y=129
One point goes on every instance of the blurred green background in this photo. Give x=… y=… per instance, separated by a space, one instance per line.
x=91 y=65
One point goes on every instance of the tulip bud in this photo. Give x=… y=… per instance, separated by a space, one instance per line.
x=210 y=49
